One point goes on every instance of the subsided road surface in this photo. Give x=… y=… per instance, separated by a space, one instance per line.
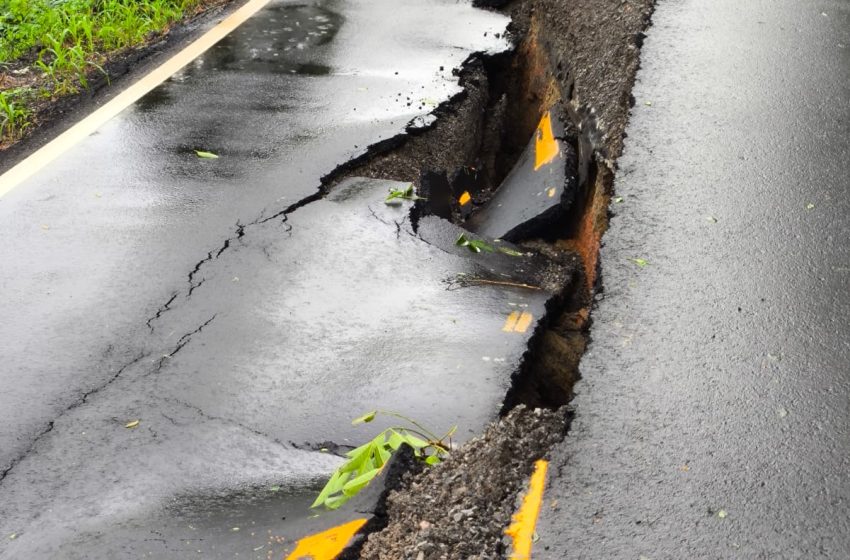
x=712 y=420
x=241 y=320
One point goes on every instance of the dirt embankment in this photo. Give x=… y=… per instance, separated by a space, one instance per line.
x=580 y=58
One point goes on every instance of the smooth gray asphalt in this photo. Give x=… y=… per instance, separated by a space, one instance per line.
x=713 y=418
x=241 y=325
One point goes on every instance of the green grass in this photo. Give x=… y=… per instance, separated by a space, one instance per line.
x=93 y=26
x=14 y=114
x=68 y=40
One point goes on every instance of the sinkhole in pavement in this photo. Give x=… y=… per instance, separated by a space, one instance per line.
x=511 y=160
x=407 y=320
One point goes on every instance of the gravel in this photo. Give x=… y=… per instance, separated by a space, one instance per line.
x=460 y=508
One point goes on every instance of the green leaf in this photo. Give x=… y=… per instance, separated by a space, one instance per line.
x=355 y=485
x=365 y=419
x=809 y=206
x=336 y=501
x=383 y=454
x=722 y=514
x=395 y=440
x=358 y=450
x=366 y=461
x=397 y=195
x=474 y=245
x=415 y=442
x=359 y=461
x=206 y=155
x=618 y=199
x=640 y=262
x=334 y=485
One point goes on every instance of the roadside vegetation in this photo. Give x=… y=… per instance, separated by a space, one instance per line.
x=52 y=48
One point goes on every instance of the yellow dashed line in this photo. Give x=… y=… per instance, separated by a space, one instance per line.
x=62 y=143
x=525 y=519
x=518 y=322
x=326 y=545
x=524 y=322
x=510 y=322
x=545 y=145
x=464 y=198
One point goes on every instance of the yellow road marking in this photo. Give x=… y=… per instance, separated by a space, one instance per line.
x=62 y=143
x=551 y=192
x=326 y=545
x=510 y=322
x=465 y=198
x=518 y=322
x=525 y=519
x=545 y=145
x=523 y=322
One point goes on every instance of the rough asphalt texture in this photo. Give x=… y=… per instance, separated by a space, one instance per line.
x=460 y=508
x=593 y=48
x=712 y=418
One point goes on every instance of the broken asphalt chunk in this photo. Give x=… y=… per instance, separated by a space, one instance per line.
x=537 y=192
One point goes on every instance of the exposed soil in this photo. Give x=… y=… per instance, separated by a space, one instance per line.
x=50 y=114
x=460 y=508
x=592 y=47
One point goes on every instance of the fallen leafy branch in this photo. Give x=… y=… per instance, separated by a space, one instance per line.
x=367 y=461
x=397 y=195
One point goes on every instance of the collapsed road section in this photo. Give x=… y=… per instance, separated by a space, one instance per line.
x=211 y=432
x=340 y=307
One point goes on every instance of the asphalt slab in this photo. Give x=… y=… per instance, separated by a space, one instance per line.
x=538 y=191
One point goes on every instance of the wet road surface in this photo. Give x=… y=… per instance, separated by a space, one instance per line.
x=712 y=419
x=241 y=323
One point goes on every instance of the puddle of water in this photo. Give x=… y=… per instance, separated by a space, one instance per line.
x=285 y=40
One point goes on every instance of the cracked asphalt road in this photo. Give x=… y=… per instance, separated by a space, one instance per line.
x=222 y=303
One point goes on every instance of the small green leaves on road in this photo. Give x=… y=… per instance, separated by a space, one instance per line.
x=397 y=195
x=810 y=206
x=618 y=199
x=367 y=461
x=477 y=246
x=474 y=245
x=722 y=514
x=365 y=419
x=640 y=262
x=205 y=155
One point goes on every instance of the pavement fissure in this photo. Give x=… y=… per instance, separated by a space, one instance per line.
x=52 y=424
